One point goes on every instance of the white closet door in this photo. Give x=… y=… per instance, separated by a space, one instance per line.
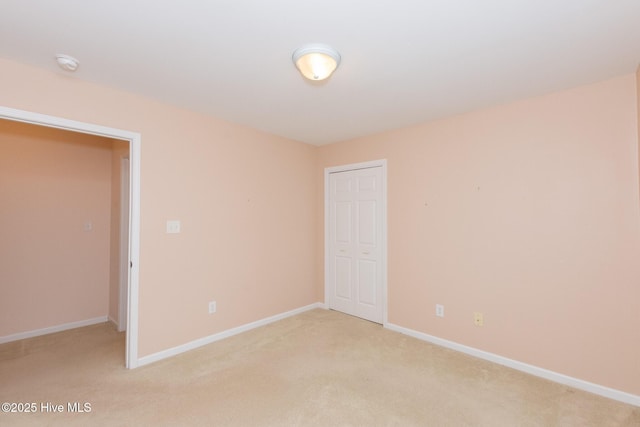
x=355 y=243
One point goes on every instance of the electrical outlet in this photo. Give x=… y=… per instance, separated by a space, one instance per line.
x=478 y=319
x=439 y=310
x=212 y=307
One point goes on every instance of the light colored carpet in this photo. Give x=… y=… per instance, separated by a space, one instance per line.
x=320 y=368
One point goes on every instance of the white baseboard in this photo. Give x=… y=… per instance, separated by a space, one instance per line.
x=155 y=357
x=52 y=329
x=524 y=367
x=113 y=322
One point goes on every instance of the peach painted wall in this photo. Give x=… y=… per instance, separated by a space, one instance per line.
x=246 y=199
x=527 y=212
x=52 y=271
x=119 y=150
x=638 y=109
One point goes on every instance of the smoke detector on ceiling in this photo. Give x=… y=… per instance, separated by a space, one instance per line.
x=67 y=63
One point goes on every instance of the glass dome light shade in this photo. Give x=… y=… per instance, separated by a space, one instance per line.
x=316 y=61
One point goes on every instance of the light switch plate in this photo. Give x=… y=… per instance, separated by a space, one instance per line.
x=173 y=226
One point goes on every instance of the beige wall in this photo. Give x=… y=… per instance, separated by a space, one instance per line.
x=52 y=271
x=528 y=213
x=638 y=109
x=247 y=202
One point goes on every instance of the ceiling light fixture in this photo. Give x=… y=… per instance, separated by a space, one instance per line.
x=67 y=63
x=316 y=61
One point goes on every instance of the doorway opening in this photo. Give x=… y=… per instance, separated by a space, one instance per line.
x=129 y=310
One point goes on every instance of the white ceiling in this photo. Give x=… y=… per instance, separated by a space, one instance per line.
x=403 y=61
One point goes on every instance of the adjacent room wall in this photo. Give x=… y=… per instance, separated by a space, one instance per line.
x=638 y=110
x=120 y=150
x=53 y=271
x=528 y=213
x=246 y=199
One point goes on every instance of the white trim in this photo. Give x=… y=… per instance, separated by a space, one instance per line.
x=164 y=354
x=52 y=329
x=579 y=384
x=134 y=251
x=115 y=324
x=134 y=139
x=343 y=168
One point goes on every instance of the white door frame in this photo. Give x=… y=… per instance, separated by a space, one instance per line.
x=131 y=353
x=355 y=166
